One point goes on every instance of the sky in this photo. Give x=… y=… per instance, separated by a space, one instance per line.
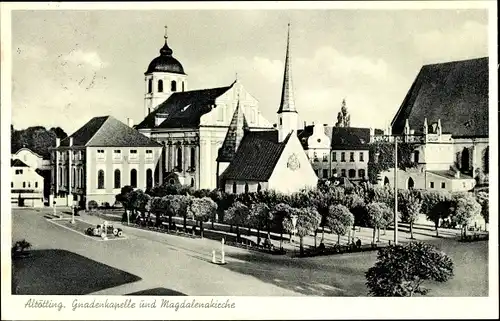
x=69 y=66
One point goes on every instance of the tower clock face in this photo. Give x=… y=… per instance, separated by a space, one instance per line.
x=293 y=162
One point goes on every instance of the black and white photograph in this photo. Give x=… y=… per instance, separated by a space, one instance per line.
x=182 y=160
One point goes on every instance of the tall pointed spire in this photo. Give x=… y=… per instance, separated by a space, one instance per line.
x=234 y=135
x=287 y=100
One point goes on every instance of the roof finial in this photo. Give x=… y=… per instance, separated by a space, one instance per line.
x=165 y=50
x=236 y=79
x=166 y=32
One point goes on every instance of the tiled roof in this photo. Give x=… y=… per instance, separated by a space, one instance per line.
x=256 y=157
x=450 y=174
x=342 y=138
x=184 y=109
x=108 y=131
x=455 y=92
x=17 y=163
x=350 y=138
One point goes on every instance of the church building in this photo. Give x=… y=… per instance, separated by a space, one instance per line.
x=251 y=161
x=191 y=124
x=446 y=113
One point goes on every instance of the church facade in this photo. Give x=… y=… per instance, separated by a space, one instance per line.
x=273 y=159
x=191 y=124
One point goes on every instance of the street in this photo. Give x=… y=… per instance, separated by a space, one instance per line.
x=151 y=263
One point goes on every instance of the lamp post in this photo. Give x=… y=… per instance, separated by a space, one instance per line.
x=395 y=190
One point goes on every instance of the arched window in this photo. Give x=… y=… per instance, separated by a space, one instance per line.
x=149 y=178
x=24 y=184
x=417 y=156
x=182 y=86
x=173 y=86
x=118 y=179
x=82 y=178
x=352 y=173
x=179 y=158
x=259 y=187
x=342 y=172
x=157 y=176
x=361 y=173
x=100 y=179
x=465 y=160
x=133 y=178
x=36 y=184
x=160 y=86
x=234 y=187
x=150 y=86
x=246 y=188
x=386 y=181
x=411 y=183
x=73 y=181
x=193 y=158
x=192 y=182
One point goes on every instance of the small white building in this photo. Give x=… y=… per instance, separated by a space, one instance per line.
x=251 y=161
x=32 y=159
x=26 y=185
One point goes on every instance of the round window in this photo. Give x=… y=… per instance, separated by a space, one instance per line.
x=319 y=140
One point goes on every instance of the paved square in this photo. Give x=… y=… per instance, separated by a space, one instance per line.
x=162 y=263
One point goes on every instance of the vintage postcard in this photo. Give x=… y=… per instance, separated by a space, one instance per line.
x=249 y=160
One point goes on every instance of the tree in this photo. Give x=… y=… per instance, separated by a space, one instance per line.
x=202 y=209
x=375 y=213
x=308 y=220
x=261 y=217
x=466 y=210
x=356 y=205
x=140 y=202
x=400 y=270
x=279 y=213
x=436 y=205
x=410 y=206
x=159 y=208
x=339 y=220
x=237 y=215
x=178 y=205
x=483 y=200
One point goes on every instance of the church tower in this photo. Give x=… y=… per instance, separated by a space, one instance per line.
x=287 y=114
x=164 y=76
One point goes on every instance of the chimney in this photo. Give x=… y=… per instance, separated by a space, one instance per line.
x=70 y=141
x=439 y=128
x=305 y=124
x=372 y=132
x=130 y=122
x=58 y=142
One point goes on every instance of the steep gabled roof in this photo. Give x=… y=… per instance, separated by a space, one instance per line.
x=17 y=163
x=256 y=157
x=184 y=109
x=455 y=92
x=234 y=135
x=108 y=131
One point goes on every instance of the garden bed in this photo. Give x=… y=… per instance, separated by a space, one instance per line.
x=258 y=248
x=165 y=230
x=474 y=238
x=340 y=249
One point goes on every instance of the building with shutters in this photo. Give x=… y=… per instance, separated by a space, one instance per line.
x=98 y=159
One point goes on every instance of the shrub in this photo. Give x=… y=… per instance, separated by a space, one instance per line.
x=401 y=270
x=92 y=205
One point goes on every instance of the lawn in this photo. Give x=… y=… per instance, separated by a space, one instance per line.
x=60 y=272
